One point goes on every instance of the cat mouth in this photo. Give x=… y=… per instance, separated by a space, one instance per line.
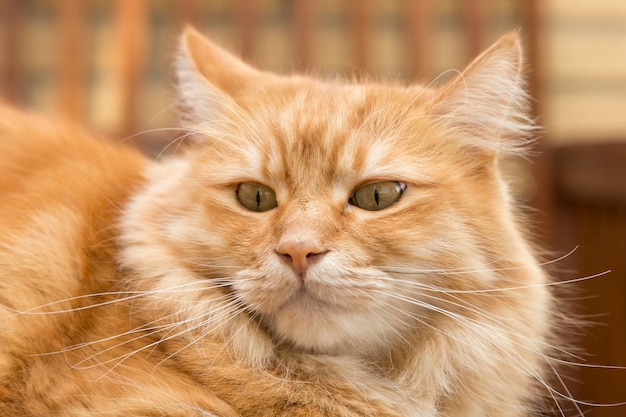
x=309 y=300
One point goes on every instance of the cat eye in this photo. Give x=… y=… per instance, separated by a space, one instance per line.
x=377 y=195
x=256 y=197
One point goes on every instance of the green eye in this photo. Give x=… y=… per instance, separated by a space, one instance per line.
x=377 y=195
x=256 y=197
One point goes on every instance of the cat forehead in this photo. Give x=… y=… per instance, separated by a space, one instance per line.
x=302 y=131
x=310 y=156
x=323 y=116
x=357 y=127
x=337 y=101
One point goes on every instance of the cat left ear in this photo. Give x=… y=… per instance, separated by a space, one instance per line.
x=487 y=104
x=209 y=78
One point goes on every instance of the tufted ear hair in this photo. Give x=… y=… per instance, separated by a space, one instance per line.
x=209 y=78
x=486 y=104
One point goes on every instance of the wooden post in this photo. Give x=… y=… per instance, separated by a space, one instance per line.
x=419 y=21
x=360 y=12
x=475 y=23
x=72 y=63
x=12 y=79
x=131 y=20
x=543 y=199
x=246 y=27
x=303 y=22
x=187 y=11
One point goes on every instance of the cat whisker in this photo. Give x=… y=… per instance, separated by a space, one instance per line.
x=501 y=289
x=149 y=131
x=33 y=310
x=209 y=330
x=118 y=296
x=393 y=328
x=177 y=140
x=470 y=323
x=567 y=396
x=229 y=309
x=465 y=304
x=459 y=271
x=479 y=327
x=150 y=327
x=206 y=264
x=468 y=306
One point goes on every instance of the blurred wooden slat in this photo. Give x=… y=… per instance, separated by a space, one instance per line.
x=590 y=213
x=304 y=14
x=246 y=26
x=12 y=80
x=360 y=24
x=599 y=232
x=475 y=22
x=72 y=66
x=533 y=34
x=187 y=11
x=132 y=37
x=543 y=199
x=419 y=21
x=591 y=173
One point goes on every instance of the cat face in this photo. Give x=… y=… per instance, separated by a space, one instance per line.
x=338 y=214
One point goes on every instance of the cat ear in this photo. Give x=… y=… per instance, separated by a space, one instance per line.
x=209 y=78
x=487 y=104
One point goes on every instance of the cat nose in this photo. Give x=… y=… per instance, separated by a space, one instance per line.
x=300 y=254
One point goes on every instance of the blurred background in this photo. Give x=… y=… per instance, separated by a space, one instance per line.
x=108 y=65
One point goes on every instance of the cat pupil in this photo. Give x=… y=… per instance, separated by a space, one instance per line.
x=258 y=198
x=376 y=196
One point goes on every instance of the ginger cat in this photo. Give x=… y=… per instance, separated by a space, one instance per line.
x=316 y=248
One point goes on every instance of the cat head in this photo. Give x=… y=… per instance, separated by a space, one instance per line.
x=330 y=211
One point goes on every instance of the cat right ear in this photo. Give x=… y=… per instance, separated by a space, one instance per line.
x=209 y=79
x=487 y=104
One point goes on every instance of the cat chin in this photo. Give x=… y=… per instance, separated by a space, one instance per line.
x=313 y=325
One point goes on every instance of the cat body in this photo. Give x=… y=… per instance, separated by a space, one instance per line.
x=317 y=248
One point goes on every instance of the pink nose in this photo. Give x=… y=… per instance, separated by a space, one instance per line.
x=300 y=254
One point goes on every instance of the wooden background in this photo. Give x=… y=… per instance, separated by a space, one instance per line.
x=107 y=65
